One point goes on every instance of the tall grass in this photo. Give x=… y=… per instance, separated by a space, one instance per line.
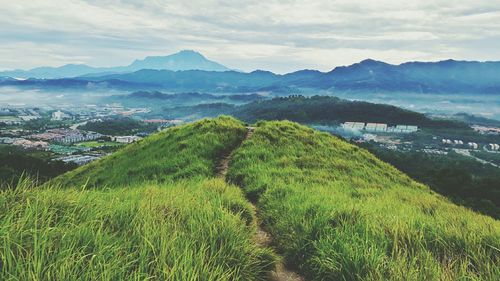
x=187 y=151
x=338 y=213
x=190 y=230
x=165 y=217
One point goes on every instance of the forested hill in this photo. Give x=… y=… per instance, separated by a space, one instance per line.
x=318 y=109
x=315 y=109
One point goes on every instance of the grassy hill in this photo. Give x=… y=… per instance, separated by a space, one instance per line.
x=190 y=230
x=164 y=216
x=156 y=210
x=192 y=150
x=338 y=213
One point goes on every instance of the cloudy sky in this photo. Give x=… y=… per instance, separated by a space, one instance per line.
x=280 y=36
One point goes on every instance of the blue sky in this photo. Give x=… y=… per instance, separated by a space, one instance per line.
x=280 y=36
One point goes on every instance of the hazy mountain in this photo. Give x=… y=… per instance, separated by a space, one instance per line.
x=183 y=60
x=366 y=76
x=447 y=76
x=69 y=70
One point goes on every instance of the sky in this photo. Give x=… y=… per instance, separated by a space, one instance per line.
x=280 y=36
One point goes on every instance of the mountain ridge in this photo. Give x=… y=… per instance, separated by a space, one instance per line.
x=449 y=76
x=182 y=60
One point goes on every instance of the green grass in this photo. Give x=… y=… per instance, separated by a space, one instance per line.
x=190 y=230
x=187 y=151
x=8 y=117
x=338 y=213
x=153 y=211
x=93 y=144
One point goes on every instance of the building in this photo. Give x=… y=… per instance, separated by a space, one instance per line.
x=376 y=127
x=472 y=145
x=406 y=128
x=8 y=140
x=10 y=120
x=77 y=159
x=27 y=144
x=164 y=121
x=353 y=125
x=57 y=115
x=125 y=139
x=486 y=130
x=379 y=127
x=66 y=136
x=28 y=117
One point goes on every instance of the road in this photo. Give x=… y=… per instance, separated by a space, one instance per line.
x=466 y=152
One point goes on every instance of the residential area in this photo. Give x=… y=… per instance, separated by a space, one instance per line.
x=482 y=144
x=75 y=134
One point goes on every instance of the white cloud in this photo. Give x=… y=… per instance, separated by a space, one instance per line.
x=276 y=35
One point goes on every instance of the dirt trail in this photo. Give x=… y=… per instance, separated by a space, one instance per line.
x=281 y=273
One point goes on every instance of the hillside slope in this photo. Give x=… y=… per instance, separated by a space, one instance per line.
x=192 y=150
x=328 y=109
x=338 y=213
x=165 y=217
x=188 y=230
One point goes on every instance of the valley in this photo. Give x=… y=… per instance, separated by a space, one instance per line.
x=67 y=136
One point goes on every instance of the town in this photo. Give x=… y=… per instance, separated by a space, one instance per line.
x=402 y=137
x=63 y=132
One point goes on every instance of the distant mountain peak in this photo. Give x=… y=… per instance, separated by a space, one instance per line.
x=371 y=62
x=183 y=60
x=189 y=53
x=183 y=54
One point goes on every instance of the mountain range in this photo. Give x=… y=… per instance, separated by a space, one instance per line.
x=191 y=71
x=183 y=60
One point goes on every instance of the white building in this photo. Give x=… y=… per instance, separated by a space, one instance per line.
x=493 y=146
x=376 y=127
x=354 y=125
x=472 y=145
x=125 y=139
x=57 y=115
x=28 y=117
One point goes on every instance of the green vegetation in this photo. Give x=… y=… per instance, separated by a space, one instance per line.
x=462 y=179
x=15 y=162
x=492 y=157
x=66 y=149
x=326 y=109
x=118 y=126
x=8 y=117
x=191 y=150
x=196 y=228
x=338 y=213
x=153 y=210
x=198 y=111
x=94 y=144
x=190 y=230
x=44 y=123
